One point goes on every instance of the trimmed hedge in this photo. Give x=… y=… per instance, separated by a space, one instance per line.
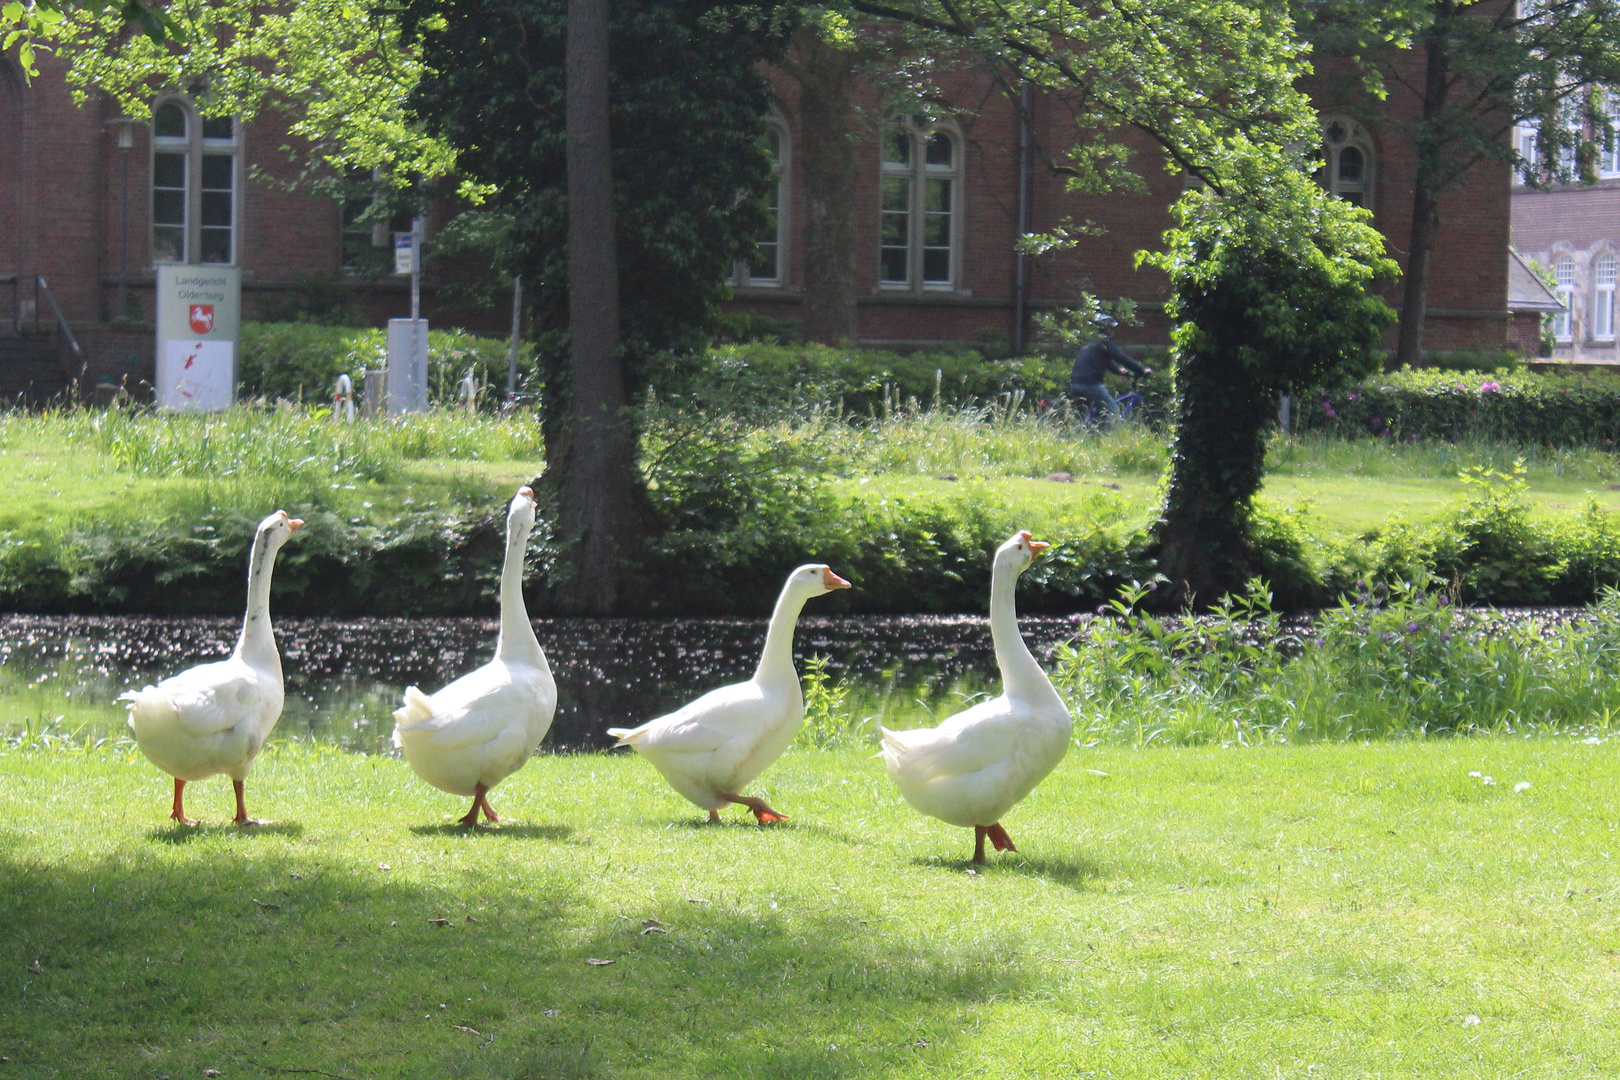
x=1519 y=407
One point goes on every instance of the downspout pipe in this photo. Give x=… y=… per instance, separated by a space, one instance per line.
x=1021 y=281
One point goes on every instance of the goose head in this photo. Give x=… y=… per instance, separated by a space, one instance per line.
x=520 y=514
x=274 y=530
x=1019 y=551
x=814 y=579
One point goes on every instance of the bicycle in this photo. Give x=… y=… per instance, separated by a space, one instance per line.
x=1127 y=402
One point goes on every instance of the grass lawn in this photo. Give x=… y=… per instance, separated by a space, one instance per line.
x=1326 y=911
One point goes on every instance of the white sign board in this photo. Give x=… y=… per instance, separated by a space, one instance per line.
x=199 y=317
x=407 y=387
x=404 y=253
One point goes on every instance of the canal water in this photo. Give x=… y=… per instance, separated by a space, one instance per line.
x=345 y=677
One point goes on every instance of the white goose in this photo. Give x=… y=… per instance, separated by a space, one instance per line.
x=213 y=718
x=978 y=764
x=481 y=728
x=714 y=747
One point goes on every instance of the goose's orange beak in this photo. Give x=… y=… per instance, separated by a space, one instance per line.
x=1038 y=546
x=294 y=524
x=527 y=492
x=832 y=580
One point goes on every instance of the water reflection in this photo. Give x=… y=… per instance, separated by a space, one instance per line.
x=345 y=677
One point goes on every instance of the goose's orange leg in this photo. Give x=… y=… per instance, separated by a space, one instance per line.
x=179 y=813
x=762 y=809
x=714 y=815
x=483 y=800
x=241 y=806
x=978 y=842
x=471 y=817
x=998 y=836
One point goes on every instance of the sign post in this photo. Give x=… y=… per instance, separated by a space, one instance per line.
x=199 y=318
x=407 y=385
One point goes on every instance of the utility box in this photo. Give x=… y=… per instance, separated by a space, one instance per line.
x=407 y=366
x=199 y=317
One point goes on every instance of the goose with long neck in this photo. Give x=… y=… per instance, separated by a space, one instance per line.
x=978 y=764
x=481 y=728
x=214 y=718
x=712 y=748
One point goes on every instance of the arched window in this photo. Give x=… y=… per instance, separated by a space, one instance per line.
x=194 y=185
x=921 y=196
x=1564 y=286
x=1603 y=297
x=1348 y=153
x=770 y=265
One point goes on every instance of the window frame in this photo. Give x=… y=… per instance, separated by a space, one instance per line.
x=1564 y=288
x=1356 y=137
x=917 y=172
x=1603 y=296
x=196 y=147
x=780 y=166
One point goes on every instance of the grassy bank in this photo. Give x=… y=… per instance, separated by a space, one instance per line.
x=1428 y=908
x=110 y=512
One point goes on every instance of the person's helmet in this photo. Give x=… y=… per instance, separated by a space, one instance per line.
x=1105 y=323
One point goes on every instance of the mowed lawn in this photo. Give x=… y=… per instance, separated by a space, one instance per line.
x=1325 y=911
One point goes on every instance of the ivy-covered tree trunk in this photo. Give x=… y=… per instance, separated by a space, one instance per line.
x=1217 y=467
x=1268 y=293
x=592 y=465
x=825 y=72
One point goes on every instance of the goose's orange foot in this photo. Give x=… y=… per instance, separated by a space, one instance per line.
x=714 y=816
x=998 y=836
x=179 y=813
x=479 y=803
x=483 y=800
x=763 y=813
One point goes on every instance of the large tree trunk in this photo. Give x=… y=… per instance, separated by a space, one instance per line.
x=1217 y=466
x=592 y=466
x=1425 y=194
x=826 y=152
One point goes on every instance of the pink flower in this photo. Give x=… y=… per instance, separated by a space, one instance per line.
x=1489 y=387
x=1354 y=396
x=1327 y=407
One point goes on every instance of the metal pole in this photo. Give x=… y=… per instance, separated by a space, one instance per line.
x=416 y=304
x=517 y=328
x=121 y=314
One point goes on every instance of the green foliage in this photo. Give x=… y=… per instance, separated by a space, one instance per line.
x=1268 y=294
x=299 y=361
x=1513 y=407
x=826 y=723
x=1391 y=659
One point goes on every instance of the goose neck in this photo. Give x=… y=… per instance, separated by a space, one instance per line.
x=257 y=643
x=516 y=642
x=776 y=661
x=1019 y=671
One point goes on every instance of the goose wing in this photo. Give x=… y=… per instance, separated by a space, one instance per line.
x=205 y=700
x=972 y=740
x=704 y=725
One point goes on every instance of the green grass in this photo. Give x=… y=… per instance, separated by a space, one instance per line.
x=1326 y=912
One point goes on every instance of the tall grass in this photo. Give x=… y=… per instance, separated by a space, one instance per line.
x=1319 y=454
x=1387 y=662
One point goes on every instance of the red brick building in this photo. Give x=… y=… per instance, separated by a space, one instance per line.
x=87 y=202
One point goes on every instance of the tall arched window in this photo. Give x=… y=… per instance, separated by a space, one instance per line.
x=1348 y=153
x=1564 y=282
x=921 y=196
x=194 y=185
x=770 y=265
x=1603 y=297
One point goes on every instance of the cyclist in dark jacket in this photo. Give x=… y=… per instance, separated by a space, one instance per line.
x=1096 y=358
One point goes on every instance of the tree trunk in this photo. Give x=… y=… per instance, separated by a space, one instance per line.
x=1217 y=466
x=1425 y=193
x=827 y=153
x=592 y=467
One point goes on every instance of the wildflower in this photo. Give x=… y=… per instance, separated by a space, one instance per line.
x=1153 y=586
x=1387 y=636
x=1592 y=740
x=1412 y=627
x=1327 y=407
x=1471 y=1020
x=1487 y=780
x=1476 y=774
x=1102 y=609
x=1489 y=387
x=1444 y=600
x=1522 y=785
x=1354 y=396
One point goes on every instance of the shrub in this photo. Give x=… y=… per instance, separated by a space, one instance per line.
x=298 y=361
x=1523 y=408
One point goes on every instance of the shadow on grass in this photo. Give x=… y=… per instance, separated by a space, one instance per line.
x=1073 y=873
x=176 y=833
x=173 y=960
x=507 y=830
